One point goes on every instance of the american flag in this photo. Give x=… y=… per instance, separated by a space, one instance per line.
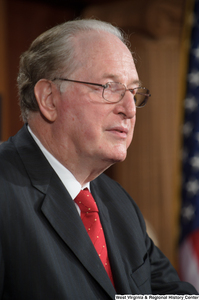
x=189 y=239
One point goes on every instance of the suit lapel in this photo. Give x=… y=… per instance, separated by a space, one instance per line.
x=59 y=209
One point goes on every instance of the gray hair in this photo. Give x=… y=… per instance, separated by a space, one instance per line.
x=51 y=54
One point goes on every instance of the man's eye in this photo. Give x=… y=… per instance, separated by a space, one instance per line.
x=97 y=88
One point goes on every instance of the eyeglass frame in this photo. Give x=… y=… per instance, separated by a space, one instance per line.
x=105 y=86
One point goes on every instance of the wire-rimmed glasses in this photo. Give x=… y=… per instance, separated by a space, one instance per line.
x=113 y=92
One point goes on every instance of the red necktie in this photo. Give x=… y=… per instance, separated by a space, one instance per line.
x=91 y=221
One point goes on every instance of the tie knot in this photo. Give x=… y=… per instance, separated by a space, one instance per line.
x=85 y=201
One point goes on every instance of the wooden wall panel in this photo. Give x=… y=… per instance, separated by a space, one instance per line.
x=24 y=22
x=3 y=73
x=148 y=173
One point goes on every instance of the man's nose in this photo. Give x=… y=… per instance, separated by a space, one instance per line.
x=127 y=106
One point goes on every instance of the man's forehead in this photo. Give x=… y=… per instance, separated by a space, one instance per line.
x=110 y=53
x=98 y=42
x=106 y=54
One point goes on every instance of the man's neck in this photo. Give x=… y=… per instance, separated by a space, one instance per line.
x=83 y=169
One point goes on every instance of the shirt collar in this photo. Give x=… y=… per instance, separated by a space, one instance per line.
x=67 y=178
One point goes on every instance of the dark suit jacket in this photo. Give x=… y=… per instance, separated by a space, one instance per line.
x=45 y=252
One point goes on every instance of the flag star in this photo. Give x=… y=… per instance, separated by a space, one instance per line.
x=188 y=212
x=193 y=78
x=194 y=161
x=192 y=186
x=187 y=129
x=191 y=103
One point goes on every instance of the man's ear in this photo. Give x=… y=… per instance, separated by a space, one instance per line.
x=46 y=99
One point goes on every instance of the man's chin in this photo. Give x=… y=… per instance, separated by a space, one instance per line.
x=117 y=158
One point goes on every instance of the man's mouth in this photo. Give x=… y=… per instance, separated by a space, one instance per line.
x=119 y=131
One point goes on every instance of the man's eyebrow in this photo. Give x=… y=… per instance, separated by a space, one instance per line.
x=137 y=82
x=116 y=77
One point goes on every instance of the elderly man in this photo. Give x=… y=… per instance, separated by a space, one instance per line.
x=79 y=90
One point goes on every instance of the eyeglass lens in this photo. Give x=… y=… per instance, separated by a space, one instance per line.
x=114 y=92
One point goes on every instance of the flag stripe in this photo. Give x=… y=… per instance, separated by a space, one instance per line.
x=189 y=268
x=194 y=241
